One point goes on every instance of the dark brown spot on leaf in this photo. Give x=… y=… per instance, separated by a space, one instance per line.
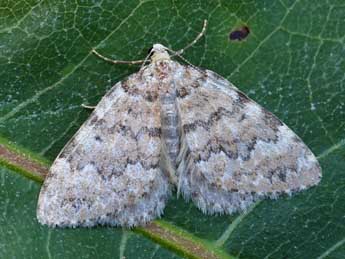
x=240 y=33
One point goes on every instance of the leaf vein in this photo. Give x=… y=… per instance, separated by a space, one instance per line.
x=232 y=226
x=263 y=41
x=332 y=249
x=21 y=19
x=331 y=149
x=56 y=84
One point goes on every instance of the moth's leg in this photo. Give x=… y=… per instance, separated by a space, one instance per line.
x=133 y=62
x=88 y=106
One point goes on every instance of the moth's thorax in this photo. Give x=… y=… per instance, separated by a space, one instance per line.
x=161 y=62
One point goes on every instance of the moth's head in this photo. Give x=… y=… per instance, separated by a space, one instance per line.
x=159 y=52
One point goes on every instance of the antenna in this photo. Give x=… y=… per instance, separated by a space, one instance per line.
x=179 y=52
x=133 y=62
x=143 y=61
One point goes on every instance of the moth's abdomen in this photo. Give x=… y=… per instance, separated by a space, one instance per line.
x=170 y=126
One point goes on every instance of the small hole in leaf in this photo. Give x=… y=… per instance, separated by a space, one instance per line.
x=240 y=33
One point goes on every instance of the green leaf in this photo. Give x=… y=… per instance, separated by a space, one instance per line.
x=292 y=63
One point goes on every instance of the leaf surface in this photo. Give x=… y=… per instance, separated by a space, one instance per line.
x=292 y=63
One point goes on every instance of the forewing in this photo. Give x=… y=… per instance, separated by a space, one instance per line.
x=109 y=172
x=234 y=151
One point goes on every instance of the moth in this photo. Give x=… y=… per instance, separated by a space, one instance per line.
x=172 y=125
